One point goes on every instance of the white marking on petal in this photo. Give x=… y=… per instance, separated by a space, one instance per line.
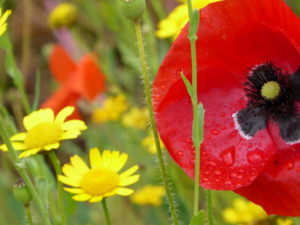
x=238 y=127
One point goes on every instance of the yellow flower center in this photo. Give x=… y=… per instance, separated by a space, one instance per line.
x=270 y=90
x=42 y=135
x=99 y=181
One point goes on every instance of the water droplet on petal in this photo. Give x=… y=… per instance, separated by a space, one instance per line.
x=217 y=172
x=180 y=153
x=228 y=156
x=215 y=132
x=255 y=157
x=233 y=175
x=223 y=114
x=228 y=182
x=290 y=166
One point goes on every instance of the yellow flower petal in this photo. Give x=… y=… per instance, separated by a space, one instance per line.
x=119 y=164
x=130 y=171
x=74 y=190
x=37 y=117
x=106 y=159
x=96 y=199
x=74 y=125
x=79 y=164
x=16 y=146
x=64 y=113
x=52 y=146
x=129 y=180
x=71 y=134
x=69 y=181
x=18 y=137
x=124 y=191
x=81 y=197
x=71 y=172
x=95 y=158
x=29 y=153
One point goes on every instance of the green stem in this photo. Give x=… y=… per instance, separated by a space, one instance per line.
x=105 y=210
x=196 y=121
x=147 y=91
x=20 y=167
x=28 y=214
x=57 y=167
x=209 y=206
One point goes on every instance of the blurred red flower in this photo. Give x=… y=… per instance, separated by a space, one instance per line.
x=82 y=80
x=251 y=141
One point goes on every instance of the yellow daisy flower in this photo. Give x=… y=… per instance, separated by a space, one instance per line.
x=102 y=179
x=244 y=212
x=148 y=195
x=3 y=18
x=45 y=131
x=136 y=118
x=171 y=26
x=111 y=109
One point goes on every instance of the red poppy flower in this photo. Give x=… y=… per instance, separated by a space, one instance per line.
x=76 y=81
x=248 y=81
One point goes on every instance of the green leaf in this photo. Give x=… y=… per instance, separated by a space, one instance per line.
x=198 y=219
x=194 y=23
x=187 y=84
x=201 y=112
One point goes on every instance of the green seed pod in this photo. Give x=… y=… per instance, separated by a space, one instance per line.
x=133 y=9
x=21 y=192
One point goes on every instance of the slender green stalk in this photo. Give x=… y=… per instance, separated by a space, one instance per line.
x=28 y=214
x=147 y=91
x=57 y=167
x=20 y=167
x=196 y=121
x=105 y=210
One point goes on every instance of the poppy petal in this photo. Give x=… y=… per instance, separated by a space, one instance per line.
x=235 y=161
x=63 y=97
x=277 y=189
x=61 y=64
x=89 y=79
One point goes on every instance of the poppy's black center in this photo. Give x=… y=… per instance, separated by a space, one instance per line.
x=271 y=95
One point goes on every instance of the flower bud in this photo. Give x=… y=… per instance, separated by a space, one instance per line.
x=63 y=15
x=21 y=192
x=133 y=9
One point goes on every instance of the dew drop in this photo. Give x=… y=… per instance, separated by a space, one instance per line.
x=228 y=182
x=223 y=114
x=228 y=156
x=255 y=157
x=233 y=175
x=298 y=169
x=189 y=141
x=208 y=137
x=250 y=145
x=217 y=172
x=215 y=132
x=290 y=166
x=180 y=153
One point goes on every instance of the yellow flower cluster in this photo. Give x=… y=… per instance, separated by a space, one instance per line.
x=148 y=195
x=111 y=110
x=63 y=15
x=171 y=26
x=3 y=19
x=243 y=212
x=136 y=118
